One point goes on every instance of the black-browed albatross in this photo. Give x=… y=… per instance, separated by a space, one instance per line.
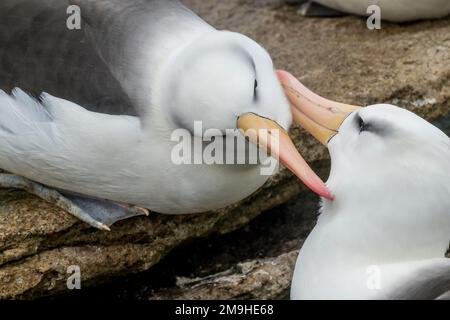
x=98 y=144
x=386 y=234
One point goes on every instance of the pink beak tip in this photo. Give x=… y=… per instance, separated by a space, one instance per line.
x=321 y=190
x=324 y=192
x=315 y=184
x=329 y=196
x=282 y=75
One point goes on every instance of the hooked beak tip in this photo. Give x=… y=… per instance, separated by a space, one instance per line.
x=283 y=76
x=275 y=141
x=329 y=196
x=319 y=116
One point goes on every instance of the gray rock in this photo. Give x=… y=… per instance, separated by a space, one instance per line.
x=257 y=279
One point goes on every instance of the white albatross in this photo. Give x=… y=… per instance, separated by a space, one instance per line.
x=108 y=162
x=391 y=10
x=386 y=234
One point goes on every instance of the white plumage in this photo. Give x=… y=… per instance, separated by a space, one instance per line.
x=386 y=234
x=174 y=69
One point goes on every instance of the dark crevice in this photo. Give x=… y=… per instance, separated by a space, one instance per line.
x=275 y=232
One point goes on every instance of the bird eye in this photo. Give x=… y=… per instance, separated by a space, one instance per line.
x=375 y=126
x=362 y=126
x=255 y=93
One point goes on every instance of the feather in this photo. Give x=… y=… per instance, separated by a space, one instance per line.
x=427 y=282
x=108 y=66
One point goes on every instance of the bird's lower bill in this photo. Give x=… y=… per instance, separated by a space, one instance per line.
x=268 y=135
x=319 y=116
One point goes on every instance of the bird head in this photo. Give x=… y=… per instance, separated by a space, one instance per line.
x=380 y=154
x=227 y=81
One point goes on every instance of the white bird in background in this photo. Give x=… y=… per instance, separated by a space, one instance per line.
x=138 y=70
x=386 y=234
x=391 y=10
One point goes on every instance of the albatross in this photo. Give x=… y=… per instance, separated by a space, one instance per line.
x=386 y=234
x=98 y=144
x=391 y=10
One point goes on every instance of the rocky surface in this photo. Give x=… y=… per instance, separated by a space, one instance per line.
x=258 y=279
x=408 y=65
x=39 y=242
x=259 y=257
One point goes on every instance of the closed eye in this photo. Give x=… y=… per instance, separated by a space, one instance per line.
x=255 y=91
x=378 y=127
x=360 y=123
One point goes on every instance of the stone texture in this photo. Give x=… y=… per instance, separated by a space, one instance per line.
x=39 y=242
x=258 y=279
x=208 y=262
x=339 y=58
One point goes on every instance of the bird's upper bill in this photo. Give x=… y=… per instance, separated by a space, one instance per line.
x=319 y=116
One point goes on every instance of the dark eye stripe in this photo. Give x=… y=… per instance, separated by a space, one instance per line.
x=378 y=127
x=255 y=91
x=361 y=123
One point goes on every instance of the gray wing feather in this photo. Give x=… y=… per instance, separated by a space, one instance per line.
x=38 y=53
x=427 y=283
x=445 y=296
x=22 y=114
x=136 y=37
x=100 y=66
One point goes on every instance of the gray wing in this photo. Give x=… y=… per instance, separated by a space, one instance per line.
x=445 y=296
x=136 y=37
x=427 y=283
x=39 y=53
x=104 y=66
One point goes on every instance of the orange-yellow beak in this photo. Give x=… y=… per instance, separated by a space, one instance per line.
x=268 y=135
x=319 y=116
